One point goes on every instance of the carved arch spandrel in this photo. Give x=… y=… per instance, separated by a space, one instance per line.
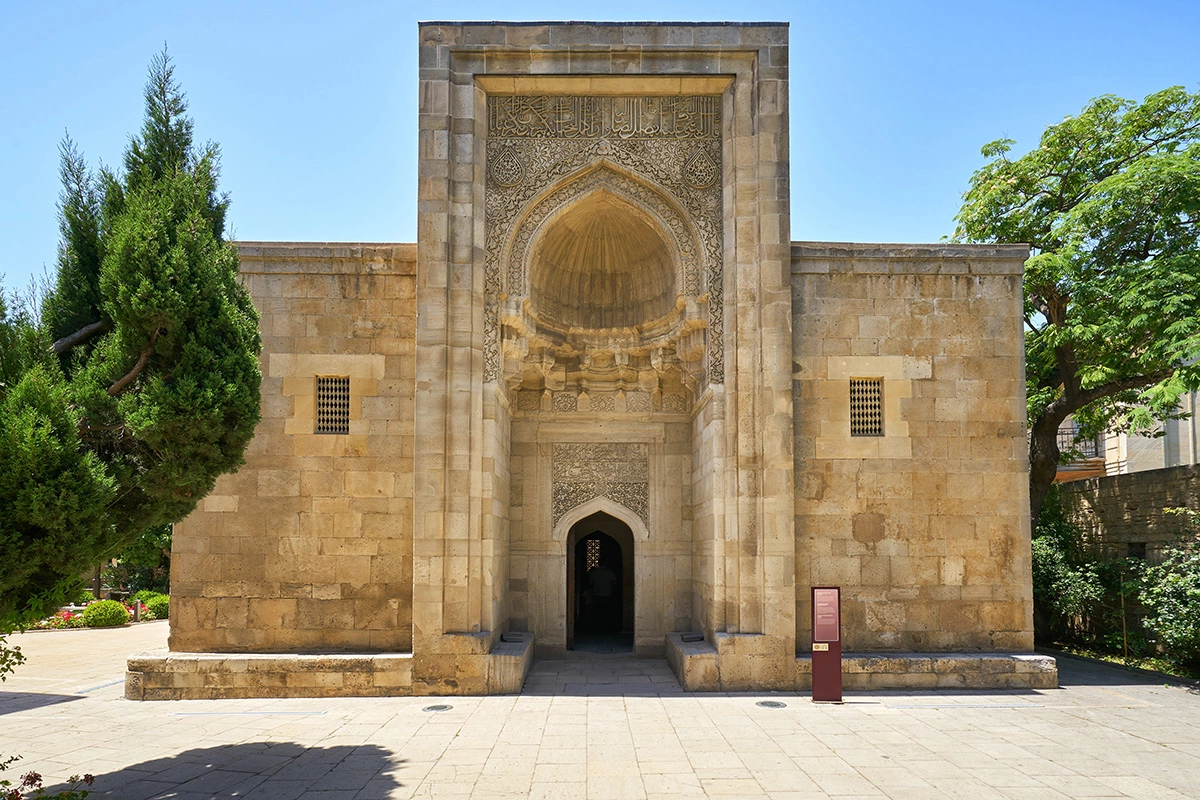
x=562 y=528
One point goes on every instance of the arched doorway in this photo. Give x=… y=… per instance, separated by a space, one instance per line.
x=600 y=584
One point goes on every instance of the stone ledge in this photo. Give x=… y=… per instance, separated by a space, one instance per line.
x=821 y=258
x=327 y=258
x=162 y=675
x=509 y=663
x=939 y=671
x=694 y=664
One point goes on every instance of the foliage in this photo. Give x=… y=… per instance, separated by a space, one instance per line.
x=144 y=595
x=1170 y=592
x=1110 y=204
x=145 y=564
x=61 y=619
x=158 y=607
x=150 y=389
x=22 y=344
x=31 y=786
x=10 y=657
x=53 y=496
x=1117 y=606
x=149 y=548
x=105 y=614
x=1066 y=584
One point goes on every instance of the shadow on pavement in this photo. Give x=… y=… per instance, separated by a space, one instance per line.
x=254 y=771
x=1076 y=671
x=12 y=702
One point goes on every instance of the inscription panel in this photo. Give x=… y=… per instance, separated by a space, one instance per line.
x=559 y=117
x=581 y=471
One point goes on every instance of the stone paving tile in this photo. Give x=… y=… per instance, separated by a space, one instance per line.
x=602 y=727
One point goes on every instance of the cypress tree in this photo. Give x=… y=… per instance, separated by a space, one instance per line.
x=154 y=392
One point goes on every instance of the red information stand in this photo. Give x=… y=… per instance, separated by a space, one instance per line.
x=827 y=644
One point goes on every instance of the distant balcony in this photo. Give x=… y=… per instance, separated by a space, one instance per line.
x=1087 y=448
x=1087 y=460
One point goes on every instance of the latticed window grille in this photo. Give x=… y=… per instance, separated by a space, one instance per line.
x=593 y=553
x=333 y=404
x=866 y=407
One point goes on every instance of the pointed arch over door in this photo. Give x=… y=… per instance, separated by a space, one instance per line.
x=601 y=505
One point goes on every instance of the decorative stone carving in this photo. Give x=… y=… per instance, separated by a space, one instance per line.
x=675 y=404
x=602 y=402
x=506 y=169
x=565 y=401
x=699 y=171
x=491 y=341
x=585 y=470
x=638 y=402
x=672 y=144
x=529 y=401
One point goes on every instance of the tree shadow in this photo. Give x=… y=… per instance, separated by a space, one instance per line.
x=12 y=702
x=274 y=770
x=1078 y=671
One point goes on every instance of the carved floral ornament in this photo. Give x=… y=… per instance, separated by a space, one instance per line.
x=661 y=154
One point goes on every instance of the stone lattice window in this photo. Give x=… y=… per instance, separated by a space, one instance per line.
x=333 y=404
x=866 y=407
x=593 y=554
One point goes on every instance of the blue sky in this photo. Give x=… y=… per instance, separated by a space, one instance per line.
x=314 y=103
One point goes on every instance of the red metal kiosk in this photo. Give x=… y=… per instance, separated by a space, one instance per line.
x=827 y=644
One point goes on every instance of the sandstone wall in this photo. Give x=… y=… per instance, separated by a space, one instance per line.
x=308 y=547
x=1121 y=514
x=925 y=527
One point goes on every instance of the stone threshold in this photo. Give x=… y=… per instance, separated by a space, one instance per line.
x=700 y=667
x=164 y=675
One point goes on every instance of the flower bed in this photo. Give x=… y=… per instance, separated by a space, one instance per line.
x=150 y=606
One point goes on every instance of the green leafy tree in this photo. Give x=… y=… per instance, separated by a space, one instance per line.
x=1109 y=202
x=149 y=390
x=144 y=564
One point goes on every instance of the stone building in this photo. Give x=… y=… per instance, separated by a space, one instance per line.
x=604 y=348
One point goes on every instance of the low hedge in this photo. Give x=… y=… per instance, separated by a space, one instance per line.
x=158 y=606
x=105 y=614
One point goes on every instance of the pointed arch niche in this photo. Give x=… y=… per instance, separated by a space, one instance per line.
x=603 y=277
x=602 y=263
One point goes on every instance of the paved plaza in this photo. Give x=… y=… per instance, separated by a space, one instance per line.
x=595 y=727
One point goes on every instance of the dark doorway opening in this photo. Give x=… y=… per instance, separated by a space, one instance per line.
x=600 y=585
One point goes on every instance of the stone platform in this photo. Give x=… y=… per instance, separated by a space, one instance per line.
x=698 y=667
x=163 y=675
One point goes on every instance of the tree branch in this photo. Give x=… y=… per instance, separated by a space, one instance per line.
x=1065 y=404
x=64 y=344
x=120 y=385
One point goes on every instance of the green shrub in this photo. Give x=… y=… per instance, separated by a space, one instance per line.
x=157 y=606
x=1067 y=585
x=143 y=596
x=1171 y=595
x=105 y=614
